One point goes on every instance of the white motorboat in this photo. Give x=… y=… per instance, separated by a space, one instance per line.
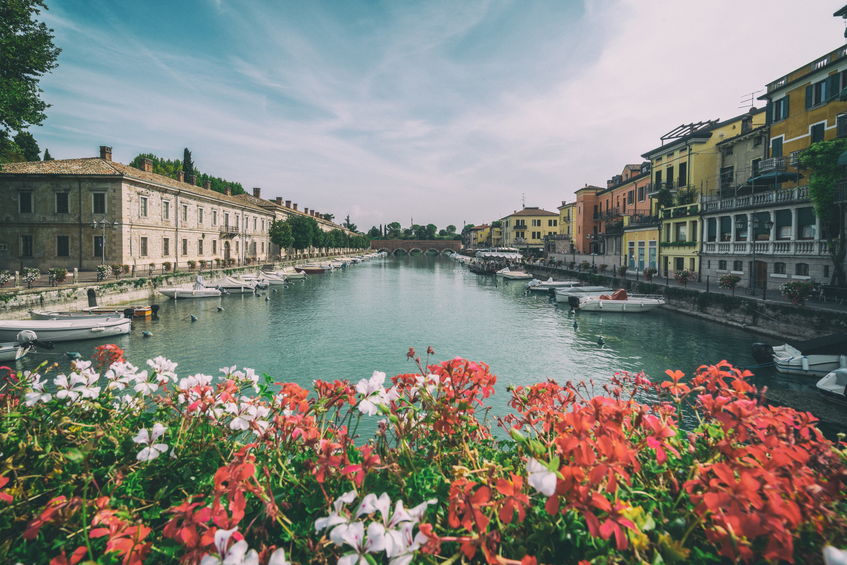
x=619 y=301
x=66 y=330
x=199 y=290
x=564 y=294
x=813 y=357
x=274 y=278
x=834 y=385
x=83 y=315
x=231 y=285
x=536 y=285
x=24 y=342
x=511 y=275
x=290 y=273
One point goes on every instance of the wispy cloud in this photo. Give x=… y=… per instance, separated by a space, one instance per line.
x=441 y=110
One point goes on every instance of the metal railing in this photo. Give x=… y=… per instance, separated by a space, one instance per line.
x=798 y=248
x=763 y=199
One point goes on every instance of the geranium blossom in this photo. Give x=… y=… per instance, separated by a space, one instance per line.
x=148 y=438
x=541 y=478
x=164 y=368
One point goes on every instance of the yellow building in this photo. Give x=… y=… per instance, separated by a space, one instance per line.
x=566 y=211
x=640 y=241
x=480 y=236
x=684 y=170
x=527 y=228
x=805 y=106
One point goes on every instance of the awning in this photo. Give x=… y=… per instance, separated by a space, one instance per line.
x=774 y=177
x=842 y=160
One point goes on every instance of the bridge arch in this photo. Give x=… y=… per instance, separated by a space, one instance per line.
x=400 y=251
x=415 y=251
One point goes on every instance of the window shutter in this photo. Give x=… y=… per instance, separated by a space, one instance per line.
x=785 y=107
x=832 y=84
x=769 y=112
x=810 y=95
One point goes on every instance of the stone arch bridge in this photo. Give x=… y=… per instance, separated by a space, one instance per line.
x=397 y=246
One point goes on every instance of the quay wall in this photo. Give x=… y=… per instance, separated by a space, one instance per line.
x=775 y=319
x=15 y=303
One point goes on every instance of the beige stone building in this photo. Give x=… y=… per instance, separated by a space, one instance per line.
x=80 y=213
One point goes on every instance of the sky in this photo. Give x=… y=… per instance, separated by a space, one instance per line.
x=436 y=112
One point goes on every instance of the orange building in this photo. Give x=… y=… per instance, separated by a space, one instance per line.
x=586 y=222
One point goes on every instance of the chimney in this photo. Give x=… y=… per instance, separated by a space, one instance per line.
x=106 y=152
x=288 y=203
x=207 y=185
x=147 y=165
x=257 y=192
x=228 y=191
x=278 y=200
x=191 y=179
x=294 y=205
x=305 y=210
x=180 y=176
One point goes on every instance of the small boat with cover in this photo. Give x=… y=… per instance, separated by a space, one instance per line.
x=66 y=330
x=619 y=301
x=198 y=290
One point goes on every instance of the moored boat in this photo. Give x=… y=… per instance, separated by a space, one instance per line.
x=511 y=275
x=232 y=285
x=834 y=385
x=311 y=269
x=178 y=293
x=80 y=315
x=814 y=357
x=291 y=273
x=65 y=330
x=536 y=285
x=619 y=301
x=564 y=295
x=24 y=342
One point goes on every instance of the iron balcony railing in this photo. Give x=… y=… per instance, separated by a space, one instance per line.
x=229 y=230
x=772 y=164
x=762 y=199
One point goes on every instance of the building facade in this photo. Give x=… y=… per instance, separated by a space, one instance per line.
x=527 y=229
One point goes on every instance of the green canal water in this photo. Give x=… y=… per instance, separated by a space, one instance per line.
x=348 y=323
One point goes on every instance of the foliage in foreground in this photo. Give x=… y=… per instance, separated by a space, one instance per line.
x=140 y=465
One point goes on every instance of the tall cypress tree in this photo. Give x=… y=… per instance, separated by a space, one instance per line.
x=187 y=163
x=28 y=146
x=47 y=156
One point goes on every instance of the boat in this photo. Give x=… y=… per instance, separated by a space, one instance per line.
x=72 y=329
x=536 y=285
x=813 y=357
x=199 y=290
x=80 y=315
x=128 y=311
x=834 y=385
x=291 y=273
x=274 y=278
x=511 y=275
x=24 y=342
x=311 y=269
x=231 y=285
x=565 y=294
x=618 y=301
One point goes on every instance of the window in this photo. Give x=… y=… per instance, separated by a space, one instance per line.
x=683 y=173
x=669 y=175
x=630 y=197
x=779 y=268
x=776 y=147
x=692 y=264
x=214 y=217
x=166 y=247
x=25 y=203
x=754 y=166
x=841 y=125
x=143 y=247
x=185 y=247
x=98 y=202
x=641 y=193
x=722 y=265
x=757 y=141
x=26 y=246
x=98 y=247
x=801 y=269
x=816 y=132
x=552 y=223
x=142 y=206
x=679 y=264
x=254 y=223
x=199 y=247
x=214 y=247
x=779 y=109
x=185 y=212
x=740 y=223
x=711 y=229
x=536 y=235
x=816 y=94
x=738 y=265
x=199 y=216
x=63 y=246
x=783 y=224
x=166 y=210
x=826 y=271
x=226 y=219
x=658 y=180
x=536 y=223
x=62 y=203
x=681 y=232
x=263 y=244
x=727 y=178
x=806 y=223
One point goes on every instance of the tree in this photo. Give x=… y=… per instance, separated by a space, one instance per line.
x=393 y=230
x=280 y=234
x=451 y=229
x=821 y=159
x=187 y=163
x=28 y=145
x=47 y=156
x=430 y=231
x=303 y=231
x=27 y=54
x=328 y=217
x=350 y=225
x=374 y=233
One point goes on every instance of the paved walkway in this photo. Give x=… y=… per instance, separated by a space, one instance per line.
x=770 y=295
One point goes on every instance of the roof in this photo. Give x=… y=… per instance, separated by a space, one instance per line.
x=95 y=166
x=482 y=227
x=533 y=211
x=703 y=133
x=741 y=136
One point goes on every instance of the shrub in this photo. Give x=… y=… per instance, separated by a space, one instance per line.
x=58 y=274
x=119 y=466
x=116 y=270
x=102 y=272
x=796 y=291
x=5 y=276
x=729 y=280
x=203 y=263
x=603 y=267
x=125 y=269
x=584 y=266
x=192 y=264
x=166 y=266
x=649 y=273
x=683 y=276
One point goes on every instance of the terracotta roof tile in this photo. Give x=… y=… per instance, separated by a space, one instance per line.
x=534 y=212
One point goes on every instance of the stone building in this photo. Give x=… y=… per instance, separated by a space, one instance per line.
x=91 y=211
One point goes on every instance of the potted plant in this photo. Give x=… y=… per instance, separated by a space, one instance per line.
x=649 y=273
x=30 y=275
x=125 y=269
x=683 y=276
x=166 y=266
x=796 y=291
x=202 y=264
x=102 y=272
x=729 y=281
x=116 y=270
x=584 y=266
x=5 y=276
x=192 y=264
x=603 y=267
x=58 y=274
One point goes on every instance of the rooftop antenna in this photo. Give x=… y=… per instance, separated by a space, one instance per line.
x=748 y=100
x=523 y=199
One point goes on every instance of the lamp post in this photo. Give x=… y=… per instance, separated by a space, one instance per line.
x=591 y=237
x=103 y=224
x=755 y=225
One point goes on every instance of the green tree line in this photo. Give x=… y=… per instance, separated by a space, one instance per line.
x=301 y=232
x=416 y=231
x=172 y=167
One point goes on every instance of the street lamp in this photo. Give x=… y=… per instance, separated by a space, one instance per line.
x=103 y=224
x=591 y=237
x=756 y=224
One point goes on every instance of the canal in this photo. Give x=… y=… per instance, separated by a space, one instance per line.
x=348 y=323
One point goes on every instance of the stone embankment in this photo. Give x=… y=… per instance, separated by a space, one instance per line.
x=774 y=318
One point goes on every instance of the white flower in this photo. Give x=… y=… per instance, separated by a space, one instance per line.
x=36 y=393
x=369 y=386
x=373 y=393
x=148 y=438
x=834 y=556
x=278 y=558
x=164 y=368
x=65 y=389
x=541 y=478
x=238 y=554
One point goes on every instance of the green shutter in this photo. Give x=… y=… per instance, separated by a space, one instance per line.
x=810 y=94
x=785 y=108
x=832 y=84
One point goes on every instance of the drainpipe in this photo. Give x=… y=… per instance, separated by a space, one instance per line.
x=79 y=186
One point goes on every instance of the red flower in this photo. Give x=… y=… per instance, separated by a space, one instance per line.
x=514 y=499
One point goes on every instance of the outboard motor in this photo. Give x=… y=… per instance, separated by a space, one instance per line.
x=128 y=312
x=25 y=336
x=155 y=309
x=573 y=302
x=762 y=353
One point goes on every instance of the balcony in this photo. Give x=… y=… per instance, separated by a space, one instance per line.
x=229 y=231
x=613 y=229
x=803 y=248
x=681 y=211
x=772 y=164
x=641 y=221
x=557 y=236
x=762 y=200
